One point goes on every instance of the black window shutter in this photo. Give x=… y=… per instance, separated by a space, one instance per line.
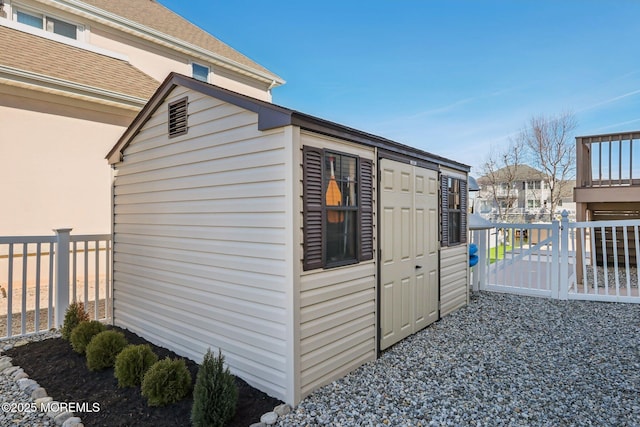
x=463 y=211
x=444 y=206
x=366 y=210
x=312 y=206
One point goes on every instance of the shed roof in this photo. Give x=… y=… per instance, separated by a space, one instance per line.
x=72 y=64
x=272 y=116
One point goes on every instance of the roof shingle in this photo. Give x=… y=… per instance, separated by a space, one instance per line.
x=69 y=63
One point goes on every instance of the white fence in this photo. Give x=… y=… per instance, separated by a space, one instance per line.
x=566 y=260
x=40 y=275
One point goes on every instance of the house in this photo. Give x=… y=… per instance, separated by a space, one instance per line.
x=73 y=75
x=520 y=190
x=299 y=247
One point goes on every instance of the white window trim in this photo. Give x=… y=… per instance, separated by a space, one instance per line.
x=80 y=28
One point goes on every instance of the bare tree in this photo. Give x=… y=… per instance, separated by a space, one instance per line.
x=549 y=141
x=500 y=175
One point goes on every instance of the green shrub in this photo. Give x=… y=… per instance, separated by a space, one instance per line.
x=81 y=335
x=167 y=381
x=132 y=363
x=215 y=394
x=103 y=349
x=72 y=317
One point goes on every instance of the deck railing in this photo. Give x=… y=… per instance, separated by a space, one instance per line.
x=595 y=260
x=41 y=275
x=608 y=160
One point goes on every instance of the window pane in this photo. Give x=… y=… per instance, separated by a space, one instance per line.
x=454 y=227
x=454 y=193
x=33 y=20
x=340 y=236
x=341 y=186
x=62 y=28
x=200 y=72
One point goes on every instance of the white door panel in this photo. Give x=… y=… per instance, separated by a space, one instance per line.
x=409 y=242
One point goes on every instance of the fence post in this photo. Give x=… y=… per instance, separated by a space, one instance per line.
x=555 y=258
x=564 y=256
x=62 y=276
x=483 y=259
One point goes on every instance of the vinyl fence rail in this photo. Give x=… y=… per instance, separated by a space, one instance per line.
x=595 y=260
x=41 y=275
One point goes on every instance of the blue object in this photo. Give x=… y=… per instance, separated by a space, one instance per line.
x=473 y=249
x=473 y=260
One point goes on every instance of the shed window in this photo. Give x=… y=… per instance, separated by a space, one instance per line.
x=454 y=211
x=338 y=209
x=178 y=117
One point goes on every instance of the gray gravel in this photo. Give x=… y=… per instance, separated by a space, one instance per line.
x=504 y=360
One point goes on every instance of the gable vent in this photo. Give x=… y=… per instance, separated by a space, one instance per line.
x=178 y=118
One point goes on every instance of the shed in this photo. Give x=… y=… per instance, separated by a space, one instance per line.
x=299 y=247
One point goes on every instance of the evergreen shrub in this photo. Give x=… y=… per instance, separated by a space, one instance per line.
x=103 y=349
x=215 y=394
x=81 y=335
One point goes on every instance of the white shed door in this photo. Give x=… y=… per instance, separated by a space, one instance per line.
x=409 y=250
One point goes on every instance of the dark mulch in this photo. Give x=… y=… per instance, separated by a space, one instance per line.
x=64 y=374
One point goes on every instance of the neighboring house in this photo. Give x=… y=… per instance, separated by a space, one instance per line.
x=522 y=191
x=299 y=247
x=73 y=74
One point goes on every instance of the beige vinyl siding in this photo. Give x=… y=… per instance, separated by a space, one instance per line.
x=337 y=305
x=200 y=235
x=453 y=278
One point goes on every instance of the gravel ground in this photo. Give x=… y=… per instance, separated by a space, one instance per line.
x=504 y=360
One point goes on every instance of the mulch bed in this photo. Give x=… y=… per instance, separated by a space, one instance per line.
x=65 y=376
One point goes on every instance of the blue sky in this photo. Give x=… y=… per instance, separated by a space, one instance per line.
x=450 y=77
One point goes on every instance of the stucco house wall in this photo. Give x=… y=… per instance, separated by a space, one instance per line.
x=69 y=99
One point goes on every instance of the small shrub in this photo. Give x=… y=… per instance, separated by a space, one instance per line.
x=215 y=394
x=81 y=335
x=103 y=349
x=72 y=317
x=132 y=363
x=167 y=381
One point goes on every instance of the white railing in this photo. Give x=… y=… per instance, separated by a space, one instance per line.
x=40 y=275
x=581 y=260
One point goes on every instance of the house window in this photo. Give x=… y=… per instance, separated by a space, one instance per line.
x=29 y=19
x=533 y=204
x=454 y=210
x=338 y=208
x=200 y=72
x=47 y=23
x=533 y=185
